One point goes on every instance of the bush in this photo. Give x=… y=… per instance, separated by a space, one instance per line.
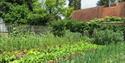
x=58 y=27
x=87 y=29
x=104 y=37
x=17 y=14
x=114 y=19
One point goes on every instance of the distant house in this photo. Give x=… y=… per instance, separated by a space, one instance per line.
x=3 y=28
x=99 y=12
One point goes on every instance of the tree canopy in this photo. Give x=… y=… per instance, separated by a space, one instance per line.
x=108 y=2
x=76 y=4
x=32 y=11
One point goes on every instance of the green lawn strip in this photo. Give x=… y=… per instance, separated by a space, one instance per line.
x=35 y=56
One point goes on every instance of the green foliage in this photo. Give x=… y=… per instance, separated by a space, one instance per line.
x=13 y=12
x=103 y=31
x=57 y=9
x=31 y=48
x=30 y=41
x=17 y=14
x=47 y=55
x=76 y=4
x=109 y=19
x=105 y=2
x=107 y=54
x=107 y=37
x=113 y=19
x=59 y=27
x=4 y=7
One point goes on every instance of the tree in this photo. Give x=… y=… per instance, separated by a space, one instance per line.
x=17 y=14
x=105 y=2
x=20 y=2
x=30 y=4
x=16 y=11
x=76 y=4
x=35 y=14
x=57 y=8
x=108 y=2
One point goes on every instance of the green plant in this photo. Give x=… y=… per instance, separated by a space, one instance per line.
x=107 y=54
x=59 y=27
x=114 y=19
x=29 y=41
x=30 y=48
x=107 y=37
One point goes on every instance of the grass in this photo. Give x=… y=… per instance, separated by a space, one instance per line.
x=71 y=48
x=31 y=41
x=4 y=34
x=31 y=48
x=52 y=54
x=107 y=54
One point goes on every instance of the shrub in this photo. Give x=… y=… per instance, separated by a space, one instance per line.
x=114 y=19
x=81 y=27
x=58 y=27
x=104 y=37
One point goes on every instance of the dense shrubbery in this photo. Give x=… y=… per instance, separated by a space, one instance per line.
x=59 y=27
x=107 y=37
x=16 y=14
x=114 y=19
x=105 y=34
x=19 y=12
x=109 y=19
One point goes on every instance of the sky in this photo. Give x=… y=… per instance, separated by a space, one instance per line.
x=88 y=3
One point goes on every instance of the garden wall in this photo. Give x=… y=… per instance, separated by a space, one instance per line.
x=99 y=12
x=87 y=14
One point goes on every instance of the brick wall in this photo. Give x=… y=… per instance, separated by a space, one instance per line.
x=99 y=12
